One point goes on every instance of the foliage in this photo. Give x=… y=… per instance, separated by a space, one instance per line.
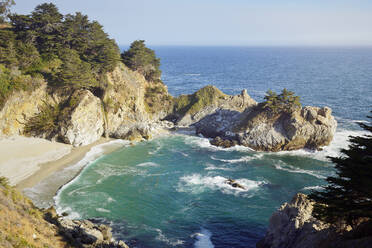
x=11 y=81
x=191 y=104
x=142 y=59
x=348 y=196
x=67 y=50
x=44 y=122
x=286 y=101
x=5 y=9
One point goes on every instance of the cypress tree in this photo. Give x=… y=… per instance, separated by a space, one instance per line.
x=348 y=196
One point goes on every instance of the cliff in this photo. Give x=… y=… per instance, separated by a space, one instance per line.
x=23 y=225
x=130 y=107
x=262 y=130
x=293 y=226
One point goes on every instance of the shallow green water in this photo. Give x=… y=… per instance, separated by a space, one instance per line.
x=171 y=191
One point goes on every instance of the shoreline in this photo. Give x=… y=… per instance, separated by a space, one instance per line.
x=47 y=169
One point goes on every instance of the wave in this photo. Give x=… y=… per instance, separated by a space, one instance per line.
x=204 y=143
x=94 y=153
x=197 y=183
x=203 y=239
x=148 y=164
x=286 y=167
x=103 y=210
x=340 y=141
x=163 y=238
x=210 y=166
x=43 y=195
x=239 y=160
x=313 y=188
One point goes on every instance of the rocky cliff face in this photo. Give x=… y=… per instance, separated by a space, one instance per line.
x=257 y=128
x=131 y=108
x=135 y=108
x=21 y=106
x=84 y=123
x=190 y=109
x=293 y=226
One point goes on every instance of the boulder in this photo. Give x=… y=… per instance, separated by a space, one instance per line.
x=84 y=122
x=87 y=234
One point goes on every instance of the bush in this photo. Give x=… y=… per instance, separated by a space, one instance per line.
x=45 y=122
x=142 y=59
x=285 y=102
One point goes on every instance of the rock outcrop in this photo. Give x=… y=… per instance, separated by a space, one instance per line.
x=135 y=108
x=129 y=107
x=189 y=109
x=84 y=124
x=85 y=233
x=21 y=106
x=259 y=129
x=293 y=226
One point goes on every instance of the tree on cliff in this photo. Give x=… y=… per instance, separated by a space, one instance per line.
x=286 y=101
x=5 y=9
x=142 y=59
x=348 y=196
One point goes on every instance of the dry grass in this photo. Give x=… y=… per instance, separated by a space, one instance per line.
x=22 y=225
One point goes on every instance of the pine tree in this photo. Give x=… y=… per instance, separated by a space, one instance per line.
x=348 y=196
x=142 y=59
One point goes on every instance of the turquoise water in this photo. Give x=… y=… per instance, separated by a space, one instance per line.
x=165 y=191
x=171 y=191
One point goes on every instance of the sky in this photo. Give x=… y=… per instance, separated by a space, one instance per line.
x=226 y=22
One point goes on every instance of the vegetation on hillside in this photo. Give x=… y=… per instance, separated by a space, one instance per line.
x=21 y=224
x=142 y=59
x=284 y=102
x=68 y=51
x=5 y=9
x=348 y=197
x=190 y=104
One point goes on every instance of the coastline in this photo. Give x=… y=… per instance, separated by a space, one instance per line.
x=47 y=169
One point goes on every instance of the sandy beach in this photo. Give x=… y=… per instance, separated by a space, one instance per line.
x=26 y=161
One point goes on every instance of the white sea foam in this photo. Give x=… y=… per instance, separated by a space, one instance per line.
x=240 y=160
x=313 y=188
x=280 y=165
x=94 y=153
x=197 y=183
x=210 y=166
x=163 y=238
x=103 y=210
x=148 y=164
x=340 y=141
x=203 y=239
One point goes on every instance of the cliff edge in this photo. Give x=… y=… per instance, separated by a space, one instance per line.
x=293 y=226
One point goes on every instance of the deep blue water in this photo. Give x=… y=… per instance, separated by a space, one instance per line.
x=170 y=192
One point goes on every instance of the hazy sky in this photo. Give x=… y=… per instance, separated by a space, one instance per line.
x=226 y=22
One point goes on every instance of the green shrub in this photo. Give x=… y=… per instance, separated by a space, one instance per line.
x=285 y=102
x=45 y=122
x=142 y=59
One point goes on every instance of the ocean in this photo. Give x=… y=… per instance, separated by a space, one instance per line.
x=170 y=191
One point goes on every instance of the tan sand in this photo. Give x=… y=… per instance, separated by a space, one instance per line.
x=47 y=169
x=20 y=156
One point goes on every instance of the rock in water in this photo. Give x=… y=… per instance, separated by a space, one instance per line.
x=261 y=130
x=234 y=184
